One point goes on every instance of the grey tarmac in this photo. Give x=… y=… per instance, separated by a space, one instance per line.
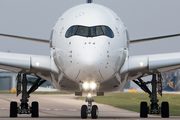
x=66 y=107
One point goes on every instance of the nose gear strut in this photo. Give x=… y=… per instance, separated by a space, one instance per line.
x=93 y=110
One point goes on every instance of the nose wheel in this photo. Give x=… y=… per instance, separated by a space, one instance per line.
x=93 y=110
x=84 y=112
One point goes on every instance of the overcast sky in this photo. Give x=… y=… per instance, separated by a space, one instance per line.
x=143 y=18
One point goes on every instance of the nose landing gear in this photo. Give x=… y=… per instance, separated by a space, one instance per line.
x=93 y=110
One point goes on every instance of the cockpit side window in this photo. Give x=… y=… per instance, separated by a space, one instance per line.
x=107 y=31
x=71 y=31
x=89 y=31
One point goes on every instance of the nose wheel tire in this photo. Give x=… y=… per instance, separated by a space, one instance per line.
x=94 y=112
x=165 y=110
x=35 y=109
x=13 y=109
x=143 y=110
x=84 y=112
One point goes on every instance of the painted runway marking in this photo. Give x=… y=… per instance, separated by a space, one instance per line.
x=50 y=109
x=60 y=109
x=4 y=108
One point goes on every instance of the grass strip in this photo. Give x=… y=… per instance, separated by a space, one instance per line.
x=131 y=101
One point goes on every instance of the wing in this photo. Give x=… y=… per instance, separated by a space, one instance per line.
x=141 y=66
x=25 y=38
x=47 y=41
x=39 y=66
x=153 y=38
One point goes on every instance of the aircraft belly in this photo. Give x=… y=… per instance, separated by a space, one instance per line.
x=114 y=84
x=62 y=83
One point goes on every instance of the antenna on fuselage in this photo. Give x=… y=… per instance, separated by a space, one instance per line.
x=89 y=1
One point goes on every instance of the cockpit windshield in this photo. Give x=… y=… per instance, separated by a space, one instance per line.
x=89 y=31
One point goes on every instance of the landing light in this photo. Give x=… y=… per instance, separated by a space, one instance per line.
x=85 y=85
x=93 y=86
x=89 y=95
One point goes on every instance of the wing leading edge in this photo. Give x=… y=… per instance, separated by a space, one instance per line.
x=132 y=41
x=141 y=66
x=25 y=38
x=40 y=66
x=153 y=38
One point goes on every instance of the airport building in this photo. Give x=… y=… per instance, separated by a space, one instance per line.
x=8 y=82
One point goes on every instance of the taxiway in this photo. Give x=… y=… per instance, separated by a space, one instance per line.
x=66 y=107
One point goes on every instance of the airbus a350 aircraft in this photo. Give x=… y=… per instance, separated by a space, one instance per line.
x=89 y=53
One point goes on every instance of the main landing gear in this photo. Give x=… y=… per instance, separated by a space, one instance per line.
x=154 y=108
x=93 y=110
x=24 y=108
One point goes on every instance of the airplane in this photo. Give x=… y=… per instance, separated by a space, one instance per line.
x=89 y=54
x=170 y=86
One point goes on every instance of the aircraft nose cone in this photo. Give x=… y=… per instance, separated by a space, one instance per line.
x=94 y=65
x=90 y=60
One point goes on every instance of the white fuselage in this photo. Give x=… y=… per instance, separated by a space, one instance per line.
x=80 y=58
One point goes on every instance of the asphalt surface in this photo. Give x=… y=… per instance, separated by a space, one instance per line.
x=66 y=107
